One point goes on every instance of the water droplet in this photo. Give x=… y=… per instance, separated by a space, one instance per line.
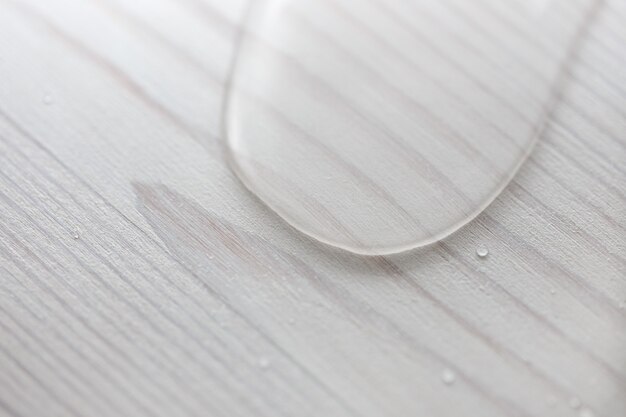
x=264 y=363
x=574 y=402
x=448 y=377
x=586 y=412
x=47 y=99
x=420 y=111
x=482 y=251
x=76 y=234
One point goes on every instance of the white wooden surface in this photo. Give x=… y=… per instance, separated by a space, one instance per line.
x=138 y=276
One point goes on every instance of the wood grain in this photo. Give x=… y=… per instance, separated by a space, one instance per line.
x=139 y=277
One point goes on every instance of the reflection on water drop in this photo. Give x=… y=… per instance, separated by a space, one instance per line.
x=264 y=363
x=448 y=377
x=380 y=126
x=482 y=251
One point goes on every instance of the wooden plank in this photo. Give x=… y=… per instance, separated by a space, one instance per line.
x=139 y=277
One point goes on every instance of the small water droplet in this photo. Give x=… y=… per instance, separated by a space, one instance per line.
x=586 y=412
x=264 y=363
x=448 y=377
x=574 y=402
x=482 y=251
x=47 y=99
x=76 y=234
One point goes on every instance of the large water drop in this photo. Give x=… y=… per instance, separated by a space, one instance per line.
x=378 y=126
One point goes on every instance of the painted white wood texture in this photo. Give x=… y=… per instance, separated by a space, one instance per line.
x=139 y=278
